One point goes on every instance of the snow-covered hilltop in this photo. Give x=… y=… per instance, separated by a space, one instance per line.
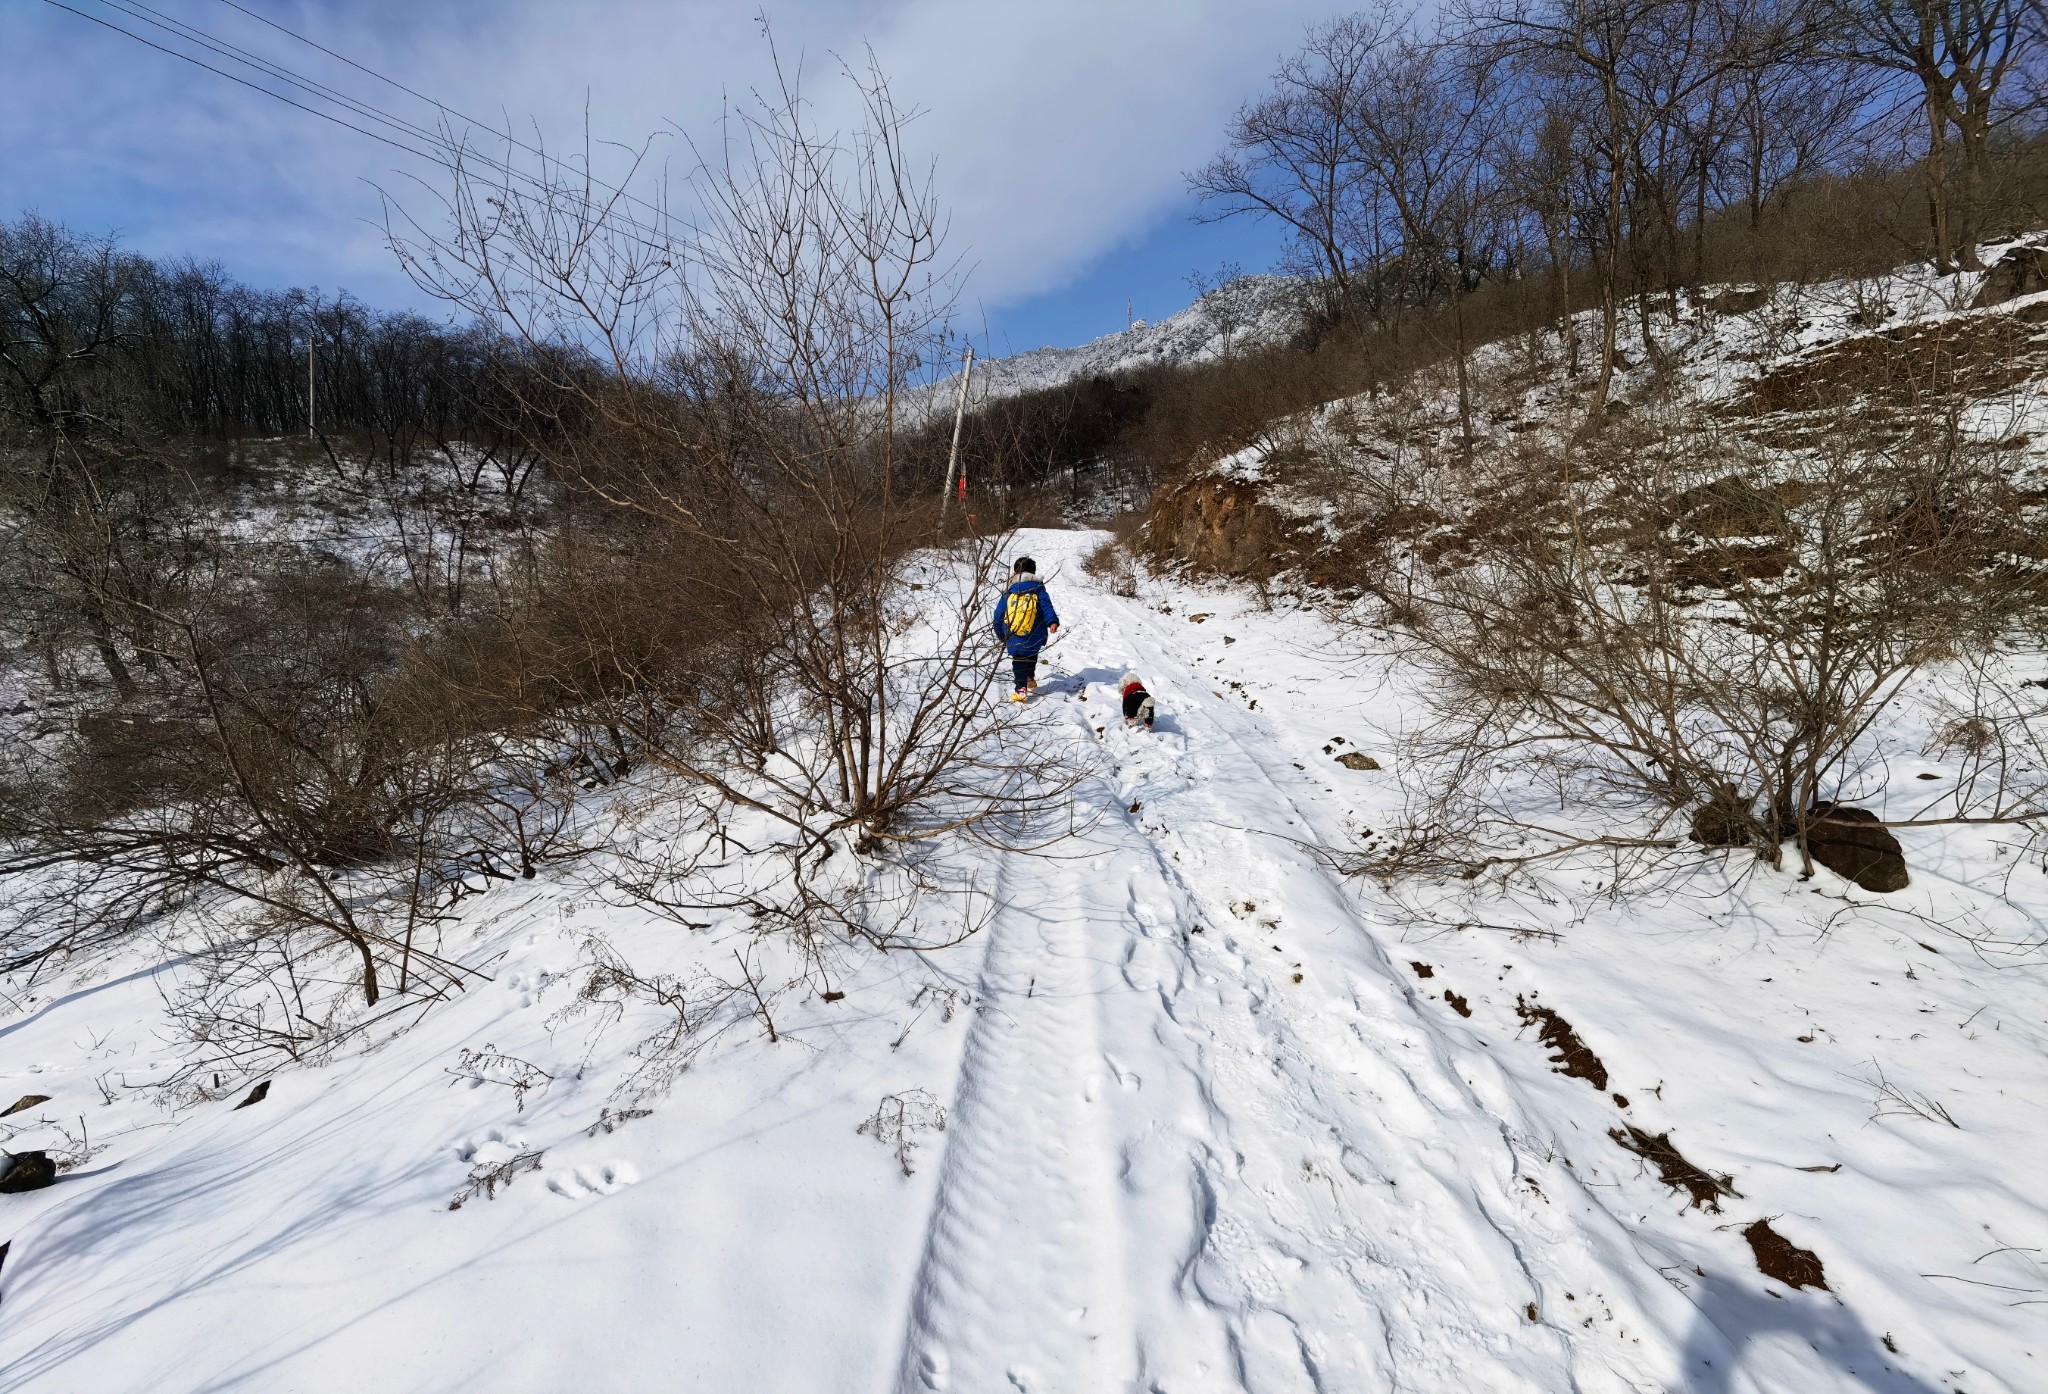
x=1241 y=314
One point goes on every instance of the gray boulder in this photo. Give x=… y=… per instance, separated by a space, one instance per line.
x=2021 y=271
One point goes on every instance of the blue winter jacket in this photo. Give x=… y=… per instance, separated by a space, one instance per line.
x=1032 y=640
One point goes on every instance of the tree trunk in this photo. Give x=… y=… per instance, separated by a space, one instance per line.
x=1937 y=185
x=110 y=657
x=1610 y=295
x=1464 y=376
x=1972 y=131
x=362 y=947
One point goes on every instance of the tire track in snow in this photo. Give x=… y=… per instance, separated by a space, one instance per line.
x=1173 y=1170
x=1015 y=1290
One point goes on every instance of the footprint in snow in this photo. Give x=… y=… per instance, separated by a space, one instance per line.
x=1140 y=969
x=1125 y=1079
x=608 y=1178
x=496 y=1145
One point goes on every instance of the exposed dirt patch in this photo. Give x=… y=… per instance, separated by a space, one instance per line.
x=1457 y=1003
x=1220 y=525
x=1568 y=1054
x=1423 y=970
x=1723 y=821
x=1723 y=565
x=1976 y=355
x=1705 y=1188
x=1730 y=506
x=1780 y=1258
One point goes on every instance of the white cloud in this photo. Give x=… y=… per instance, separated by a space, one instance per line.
x=1060 y=127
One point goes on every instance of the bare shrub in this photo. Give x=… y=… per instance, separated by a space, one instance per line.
x=287 y=775
x=932 y=995
x=766 y=604
x=899 y=1119
x=304 y=778
x=609 y=1122
x=1892 y=1101
x=492 y=1066
x=487 y=1180
x=1653 y=662
x=689 y=1014
x=1111 y=563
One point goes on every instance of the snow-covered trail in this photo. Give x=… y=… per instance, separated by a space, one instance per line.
x=1021 y=1185
x=1204 y=1137
x=1216 y=1122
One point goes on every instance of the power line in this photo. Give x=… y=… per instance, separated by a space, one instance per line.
x=235 y=54
x=389 y=81
x=434 y=102
x=231 y=77
x=439 y=151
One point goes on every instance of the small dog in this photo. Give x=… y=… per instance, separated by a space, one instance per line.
x=1138 y=708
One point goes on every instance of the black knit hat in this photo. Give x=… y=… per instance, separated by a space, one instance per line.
x=1025 y=565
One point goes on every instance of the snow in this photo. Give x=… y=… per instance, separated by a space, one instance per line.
x=1243 y=314
x=1206 y=1126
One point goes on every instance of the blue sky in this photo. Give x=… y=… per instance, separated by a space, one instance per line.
x=1060 y=128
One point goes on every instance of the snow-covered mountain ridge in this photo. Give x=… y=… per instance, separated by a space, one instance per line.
x=1242 y=314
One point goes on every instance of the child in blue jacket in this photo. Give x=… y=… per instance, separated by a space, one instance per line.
x=1024 y=620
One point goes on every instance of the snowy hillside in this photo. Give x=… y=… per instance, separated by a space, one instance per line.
x=1242 y=314
x=1778 y=362
x=1191 y=1113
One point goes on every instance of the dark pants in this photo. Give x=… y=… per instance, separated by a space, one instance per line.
x=1025 y=667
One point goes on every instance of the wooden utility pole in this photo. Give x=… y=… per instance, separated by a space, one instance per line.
x=309 y=385
x=959 y=414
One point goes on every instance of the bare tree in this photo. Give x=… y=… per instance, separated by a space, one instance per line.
x=1574 y=42
x=1430 y=135
x=1640 y=77
x=764 y=617
x=1789 y=107
x=1959 y=54
x=1292 y=156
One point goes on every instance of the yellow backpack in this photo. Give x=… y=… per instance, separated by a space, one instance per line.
x=1020 y=613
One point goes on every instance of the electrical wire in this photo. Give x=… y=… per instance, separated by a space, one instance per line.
x=434 y=102
x=231 y=77
x=388 y=81
x=438 y=143
x=134 y=9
